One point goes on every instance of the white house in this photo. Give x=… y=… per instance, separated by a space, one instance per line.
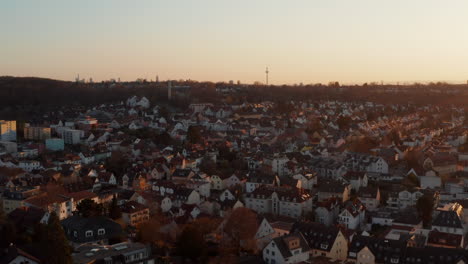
x=279 y=201
x=29 y=165
x=430 y=180
x=291 y=248
x=353 y=215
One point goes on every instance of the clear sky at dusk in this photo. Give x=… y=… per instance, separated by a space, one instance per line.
x=309 y=41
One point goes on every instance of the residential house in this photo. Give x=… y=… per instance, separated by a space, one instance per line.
x=134 y=213
x=255 y=180
x=445 y=240
x=291 y=248
x=308 y=180
x=404 y=198
x=353 y=215
x=369 y=250
x=61 y=204
x=333 y=188
x=289 y=202
x=369 y=197
x=15 y=255
x=328 y=242
x=15 y=197
x=364 y=162
x=183 y=195
x=125 y=253
x=80 y=230
x=356 y=179
x=272 y=227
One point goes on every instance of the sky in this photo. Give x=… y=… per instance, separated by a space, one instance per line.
x=308 y=41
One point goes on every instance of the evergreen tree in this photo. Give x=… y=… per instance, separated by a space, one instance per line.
x=191 y=243
x=114 y=209
x=193 y=135
x=55 y=245
x=7 y=231
x=425 y=207
x=88 y=208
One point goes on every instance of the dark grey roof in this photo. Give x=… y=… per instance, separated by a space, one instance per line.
x=408 y=216
x=448 y=219
x=318 y=236
x=332 y=186
x=434 y=255
x=282 y=245
x=183 y=173
x=82 y=224
x=368 y=192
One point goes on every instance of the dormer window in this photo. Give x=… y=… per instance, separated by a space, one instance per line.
x=89 y=233
x=101 y=231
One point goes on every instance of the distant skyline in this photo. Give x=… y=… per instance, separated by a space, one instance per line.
x=308 y=41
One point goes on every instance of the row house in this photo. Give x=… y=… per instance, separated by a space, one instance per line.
x=153 y=201
x=283 y=201
x=328 y=242
x=219 y=182
x=29 y=165
x=404 y=198
x=363 y=162
x=134 y=213
x=328 y=167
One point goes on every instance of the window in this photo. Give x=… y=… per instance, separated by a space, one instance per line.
x=101 y=231
x=75 y=234
x=89 y=233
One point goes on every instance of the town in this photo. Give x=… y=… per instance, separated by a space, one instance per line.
x=238 y=180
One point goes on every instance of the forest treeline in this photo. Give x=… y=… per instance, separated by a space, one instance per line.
x=23 y=95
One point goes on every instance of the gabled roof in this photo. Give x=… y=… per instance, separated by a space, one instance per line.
x=382 y=249
x=448 y=219
x=13 y=252
x=368 y=192
x=445 y=239
x=317 y=235
x=332 y=186
x=132 y=207
x=26 y=216
x=82 y=224
x=435 y=255
x=282 y=244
